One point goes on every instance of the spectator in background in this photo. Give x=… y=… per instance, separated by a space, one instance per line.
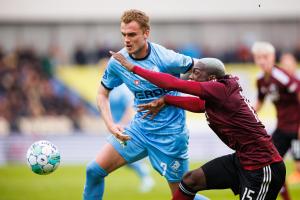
x=297 y=51
x=243 y=53
x=121 y=106
x=27 y=91
x=101 y=51
x=192 y=50
x=80 y=56
x=284 y=91
x=288 y=62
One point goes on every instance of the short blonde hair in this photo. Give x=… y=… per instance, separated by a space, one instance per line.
x=136 y=15
x=262 y=47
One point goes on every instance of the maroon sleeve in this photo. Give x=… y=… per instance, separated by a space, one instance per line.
x=285 y=79
x=169 y=82
x=193 y=104
x=213 y=91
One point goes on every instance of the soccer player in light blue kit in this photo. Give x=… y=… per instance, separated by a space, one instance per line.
x=165 y=138
x=121 y=106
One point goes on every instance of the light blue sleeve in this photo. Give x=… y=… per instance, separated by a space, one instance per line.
x=110 y=78
x=176 y=63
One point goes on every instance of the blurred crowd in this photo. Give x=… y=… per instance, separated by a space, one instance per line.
x=29 y=89
x=241 y=53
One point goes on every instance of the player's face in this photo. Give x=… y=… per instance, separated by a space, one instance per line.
x=135 y=39
x=289 y=63
x=264 y=60
x=198 y=75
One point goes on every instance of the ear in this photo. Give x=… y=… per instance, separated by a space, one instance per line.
x=212 y=77
x=146 y=34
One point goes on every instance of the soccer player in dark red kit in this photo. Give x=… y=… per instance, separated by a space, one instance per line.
x=284 y=91
x=255 y=170
x=289 y=63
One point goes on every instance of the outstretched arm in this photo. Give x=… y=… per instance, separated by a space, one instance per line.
x=192 y=104
x=162 y=80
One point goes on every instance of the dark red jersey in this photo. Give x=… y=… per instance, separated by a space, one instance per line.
x=228 y=114
x=282 y=89
x=233 y=119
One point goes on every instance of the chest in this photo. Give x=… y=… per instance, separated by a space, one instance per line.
x=273 y=90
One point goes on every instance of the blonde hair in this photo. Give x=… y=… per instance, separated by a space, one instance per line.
x=262 y=47
x=138 y=16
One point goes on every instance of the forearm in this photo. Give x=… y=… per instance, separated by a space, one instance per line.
x=192 y=104
x=104 y=107
x=168 y=81
x=127 y=116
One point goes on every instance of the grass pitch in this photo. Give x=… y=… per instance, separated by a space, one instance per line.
x=17 y=182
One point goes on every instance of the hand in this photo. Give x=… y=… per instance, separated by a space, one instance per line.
x=153 y=107
x=118 y=131
x=119 y=57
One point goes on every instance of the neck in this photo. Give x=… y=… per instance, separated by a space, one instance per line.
x=269 y=71
x=141 y=53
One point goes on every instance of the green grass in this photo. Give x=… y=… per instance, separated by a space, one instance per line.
x=17 y=182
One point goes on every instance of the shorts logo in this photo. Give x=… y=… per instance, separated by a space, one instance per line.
x=175 y=165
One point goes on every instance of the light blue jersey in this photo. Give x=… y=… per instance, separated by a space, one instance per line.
x=165 y=138
x=170 y=120
x=120 y=98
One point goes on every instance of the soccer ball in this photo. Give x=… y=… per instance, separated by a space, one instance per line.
x=43 y=157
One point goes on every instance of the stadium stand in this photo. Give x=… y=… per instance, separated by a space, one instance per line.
x=27 y=89
x=4 y=127
x=46 y=125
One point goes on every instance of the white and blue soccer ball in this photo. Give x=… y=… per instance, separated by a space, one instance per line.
x=43 y=157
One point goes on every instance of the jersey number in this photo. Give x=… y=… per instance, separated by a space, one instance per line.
x=250 y=107
x=164 y=167
x=248 y=194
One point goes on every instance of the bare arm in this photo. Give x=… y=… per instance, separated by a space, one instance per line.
x=192 y=104
x=128 y=114
x=104 y=108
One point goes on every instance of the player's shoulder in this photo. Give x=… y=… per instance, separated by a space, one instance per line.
x=158 y=47
x=114 y=62
x=280 y=75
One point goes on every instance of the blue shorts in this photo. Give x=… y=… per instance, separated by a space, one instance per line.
x=167 y=153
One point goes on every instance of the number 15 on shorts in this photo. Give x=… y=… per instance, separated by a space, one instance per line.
x=248 y=194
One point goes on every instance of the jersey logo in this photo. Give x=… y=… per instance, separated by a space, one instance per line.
x=175 y=165
x=263 y=90
x=136 y=82
x=146 y=94
x=273 y=92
